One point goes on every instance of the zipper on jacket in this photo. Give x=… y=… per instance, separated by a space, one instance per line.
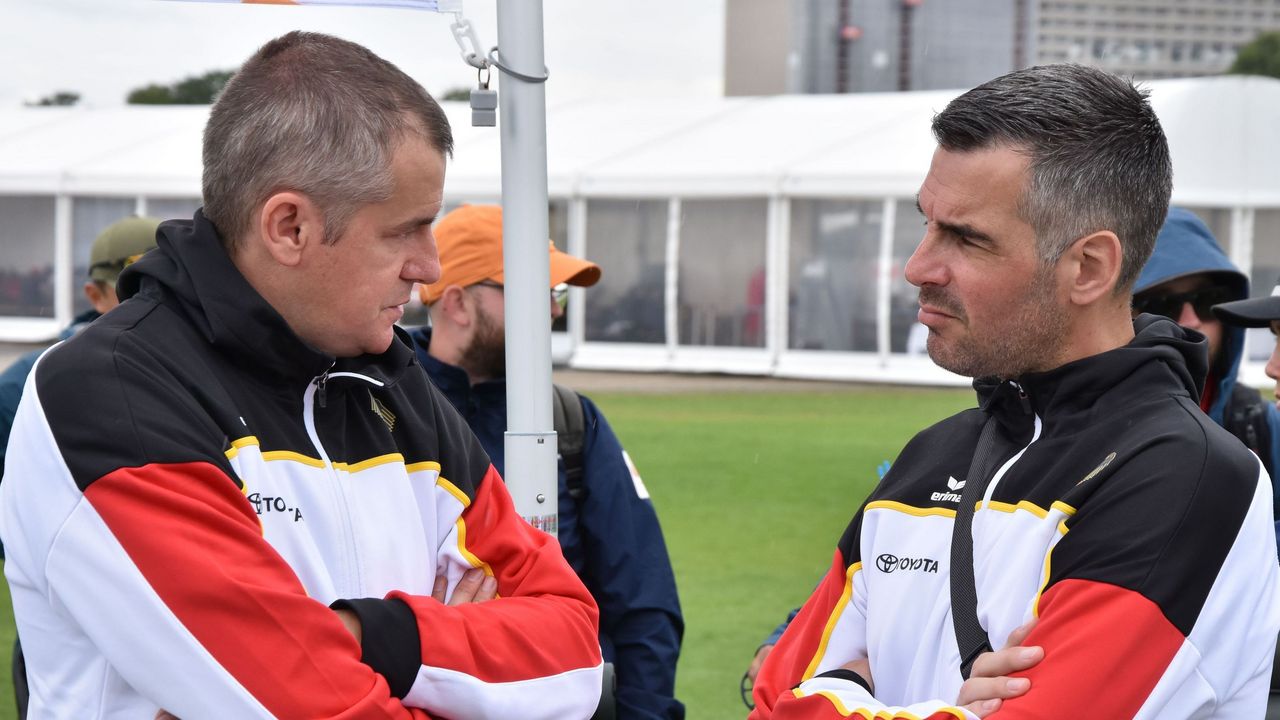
x=313 y=397
x=320 y=391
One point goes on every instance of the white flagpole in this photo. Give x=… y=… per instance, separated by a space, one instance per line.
x=530 y=442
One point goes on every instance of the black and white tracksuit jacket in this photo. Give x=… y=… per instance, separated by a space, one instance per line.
x=189 y=487
x=1132 y=526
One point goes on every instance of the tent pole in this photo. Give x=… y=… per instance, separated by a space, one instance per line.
x=530 y=443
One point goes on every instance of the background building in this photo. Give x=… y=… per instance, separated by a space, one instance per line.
x=835 y=46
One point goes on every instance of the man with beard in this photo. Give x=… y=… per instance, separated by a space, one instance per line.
x=608 y=529
x=1087 y=515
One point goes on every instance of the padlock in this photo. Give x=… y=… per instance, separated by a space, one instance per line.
x=484 y=107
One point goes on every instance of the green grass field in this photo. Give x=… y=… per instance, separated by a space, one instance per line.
x=753 y=490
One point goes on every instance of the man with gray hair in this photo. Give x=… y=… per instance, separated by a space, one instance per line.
x=1086 y=515
x=238 y=495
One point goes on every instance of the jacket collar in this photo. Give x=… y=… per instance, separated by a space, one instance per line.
x=190 y=269
x=1077 y=386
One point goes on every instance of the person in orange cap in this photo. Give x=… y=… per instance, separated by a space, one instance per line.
x=608 y=528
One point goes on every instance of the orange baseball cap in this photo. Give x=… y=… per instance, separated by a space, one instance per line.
x=469 y=241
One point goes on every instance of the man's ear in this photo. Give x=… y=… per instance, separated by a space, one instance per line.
x=1092 y=267
x=288 y=223
x=97 y=297
x=456 y=305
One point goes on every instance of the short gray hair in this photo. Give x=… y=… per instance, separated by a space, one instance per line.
x=317 y=115
x=1098 y=156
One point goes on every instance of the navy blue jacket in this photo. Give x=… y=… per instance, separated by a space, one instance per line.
x=612 y=541
x=1186 y=247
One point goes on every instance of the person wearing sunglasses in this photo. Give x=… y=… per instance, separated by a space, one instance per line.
x=1187 y=275
x=608 y=528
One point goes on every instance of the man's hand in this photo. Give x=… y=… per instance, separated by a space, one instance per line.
x=863 y=668
x=989 y=685
x=757 y=662
x=475 y=586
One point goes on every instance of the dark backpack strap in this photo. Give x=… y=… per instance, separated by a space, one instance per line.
x=1245 y=416
x=571 y=434
x=971 y=637
x=571 y=438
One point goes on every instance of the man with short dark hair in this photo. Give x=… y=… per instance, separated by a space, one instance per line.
x=238 y=495
x=1086 y=515
x=608 y=528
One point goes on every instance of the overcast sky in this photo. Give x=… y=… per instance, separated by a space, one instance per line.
x=104 y=48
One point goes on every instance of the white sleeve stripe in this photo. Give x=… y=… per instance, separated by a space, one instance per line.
x=166 y=663
x=456 y=694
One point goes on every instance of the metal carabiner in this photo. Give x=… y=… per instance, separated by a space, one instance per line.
x=465 y=34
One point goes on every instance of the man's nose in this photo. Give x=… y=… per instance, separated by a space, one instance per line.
x=1273 y=367
x=924 y=267
x=424 y=265
x=1187 y=317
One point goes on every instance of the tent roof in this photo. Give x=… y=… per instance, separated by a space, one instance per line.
x=1221 y=131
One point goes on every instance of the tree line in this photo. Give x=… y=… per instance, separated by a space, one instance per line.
x=1259 y=57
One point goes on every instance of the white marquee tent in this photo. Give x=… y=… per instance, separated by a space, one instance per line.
x=748 y=235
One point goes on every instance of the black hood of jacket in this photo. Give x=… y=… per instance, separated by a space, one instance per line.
x=1078 y=385
x=190 y=268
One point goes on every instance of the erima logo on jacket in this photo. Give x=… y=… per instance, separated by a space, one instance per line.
x=953 y=492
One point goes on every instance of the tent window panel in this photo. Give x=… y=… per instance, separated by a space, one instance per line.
x=722 y=272
x=906 y=334
x=26 y=264
x=89 y=217
x=1219 y=222
x=835 y=249
x=1265 y=275
x=628 y=239
x=173 y=208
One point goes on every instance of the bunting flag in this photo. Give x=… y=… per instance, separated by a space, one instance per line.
x=440 y=6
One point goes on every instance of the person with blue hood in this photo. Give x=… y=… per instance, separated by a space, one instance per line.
x=1187 y=275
